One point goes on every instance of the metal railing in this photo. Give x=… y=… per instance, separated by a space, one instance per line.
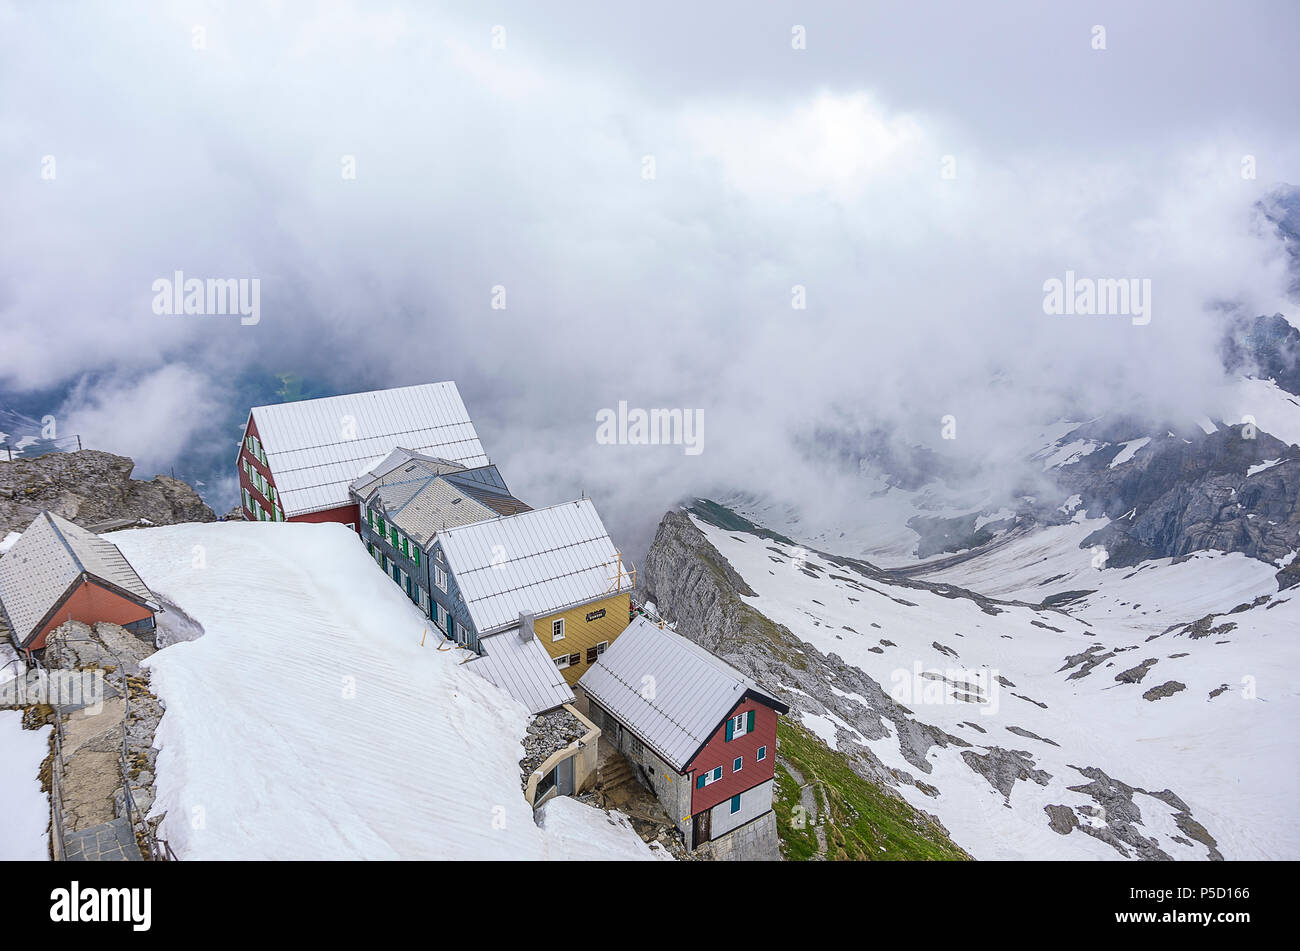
x=155 y=849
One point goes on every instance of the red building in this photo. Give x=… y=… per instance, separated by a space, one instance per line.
x=700 y=733
x=60 y=572
x=296 y=460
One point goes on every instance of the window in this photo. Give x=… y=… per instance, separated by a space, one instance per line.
x=762 y=754
x=562 y=661
x=440 y=578
x=737 y=763
x=709 y=777
x=739 y=725
x=424 y=601
x=416 y=551
x=379 y=525
x=735 y=804
x=352 y=526
x=600 y=648
x=392 y=533
x=557 y=629
x=405 y=549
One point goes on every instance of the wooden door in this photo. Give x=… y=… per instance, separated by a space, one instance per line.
x=703 y=824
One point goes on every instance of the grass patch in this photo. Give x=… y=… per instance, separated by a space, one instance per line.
x=864 y=822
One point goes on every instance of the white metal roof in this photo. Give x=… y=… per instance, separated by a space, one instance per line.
x=317 y=447
x=542 y=561
x=523 y=669
x=669 y=691
x=43 y=565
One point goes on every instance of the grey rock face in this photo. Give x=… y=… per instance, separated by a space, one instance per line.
x=1192 y=492
x=90 y=487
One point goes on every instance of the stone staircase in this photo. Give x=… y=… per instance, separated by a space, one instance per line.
x=613 y=773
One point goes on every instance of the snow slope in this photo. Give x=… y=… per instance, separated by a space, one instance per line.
x=309 y=723
x=24 y=806
x=1231 y=758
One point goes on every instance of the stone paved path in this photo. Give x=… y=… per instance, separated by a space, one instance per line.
x=109 y=842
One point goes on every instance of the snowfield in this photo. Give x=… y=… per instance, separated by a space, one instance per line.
x=1225 y=745
x=308 y=722
x=25 y=807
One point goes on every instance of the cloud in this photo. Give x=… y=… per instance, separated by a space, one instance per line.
x=523 y=168
x=146 y=417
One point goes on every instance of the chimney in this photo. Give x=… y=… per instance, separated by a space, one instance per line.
x=526 y=619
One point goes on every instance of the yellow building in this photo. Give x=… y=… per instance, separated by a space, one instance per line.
x=553 y=569
x=574 y=638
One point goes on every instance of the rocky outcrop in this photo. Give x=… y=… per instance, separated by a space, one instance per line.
x=698 y=589
x=1187 y=492
x=92 y=488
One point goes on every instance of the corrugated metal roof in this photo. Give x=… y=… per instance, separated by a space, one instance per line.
x=401 y=464
x=436 y=506
x=51 y=556
x=523 y=669
x=669 y=691
x=540 y=561
x=316 y=447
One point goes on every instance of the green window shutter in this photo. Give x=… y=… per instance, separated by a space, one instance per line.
x=749 y=723
x=699 y=782
x=405 y=549
x=731 y=724
x=417 y=557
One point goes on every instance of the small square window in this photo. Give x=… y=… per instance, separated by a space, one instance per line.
x=717 y=774
x=737 y=763
x=762 y=754
x=600 y=648
x=562 y=661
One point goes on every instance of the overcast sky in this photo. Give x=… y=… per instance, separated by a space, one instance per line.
x=210 y=138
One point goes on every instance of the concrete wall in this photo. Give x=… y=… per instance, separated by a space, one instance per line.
x=584 y=753
x=754 y=842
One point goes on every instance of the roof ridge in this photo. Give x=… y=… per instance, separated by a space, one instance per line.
x=531 y=511
x=58 y=533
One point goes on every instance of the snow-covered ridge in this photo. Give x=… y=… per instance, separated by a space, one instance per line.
x=1126 y=720
x=308 y=722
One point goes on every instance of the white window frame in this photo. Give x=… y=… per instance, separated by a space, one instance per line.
x=739 y=725
x=557 y=624
x=600 y=648
x=762 y=754
x=741 y=761
x=735 y=803
x=562 y=662
x=440 y=578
